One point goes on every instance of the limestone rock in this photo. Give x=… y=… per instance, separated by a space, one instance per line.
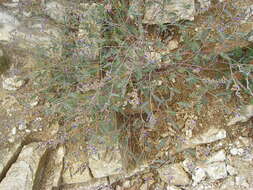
x=159 y=12
x=12 y=83
x=216 y=170
x=105 y=160
x=231 y=170
x=198 y=175
x=211 y=135
x=245 y=114
x=217 y=157
x=54 y=169
x=173 y=44
x=25 y=172
x=173 y=174
x=172 y=187
x=94 y=184
x=39 y=33
x=77 y=173
x=8 y=25
x=56 y=10
x=7 y=156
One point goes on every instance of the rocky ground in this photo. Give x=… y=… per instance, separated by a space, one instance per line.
x=209 y=150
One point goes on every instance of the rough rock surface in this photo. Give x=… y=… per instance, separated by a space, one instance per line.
x=105 y=160
x=7 y=156
x=159 y=12
x=174 y=174
x=25 y=172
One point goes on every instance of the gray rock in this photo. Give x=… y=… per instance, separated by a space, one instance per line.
x=216 y=170
x=39 y=33
x=159 y=12
x=7 y=156
x=173 y=174
x=8 y=25
x=57 y=10
x=25 y=172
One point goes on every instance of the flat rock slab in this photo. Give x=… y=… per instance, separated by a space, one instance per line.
x=8 y=156
x=173 y=174
x=24 y=173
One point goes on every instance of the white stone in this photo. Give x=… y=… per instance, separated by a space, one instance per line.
x=250 y=38
x=172 y=187
x=218 y=156
x=126 y=184
x=11 y=139
x=173 y=174
x=199 y=174
x=12 y=83
x=8 y=25
x=241 y=181
x=231 y=170
x=28 y=131
x=211 y=135
x=236 y=151
x=14 y=131
x=216 y=170
x=34 y=102
x=173 y=44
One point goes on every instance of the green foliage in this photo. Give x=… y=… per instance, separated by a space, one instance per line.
x=74 y=84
